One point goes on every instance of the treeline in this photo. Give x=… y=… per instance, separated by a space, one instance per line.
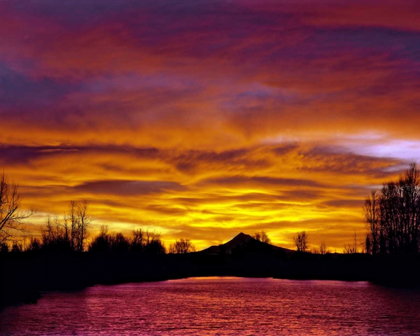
x=140 y=242
x=56 y=237
x=393 y=216
x=68 y=235
x=71 y=234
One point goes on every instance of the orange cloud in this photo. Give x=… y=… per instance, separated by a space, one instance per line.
x=213 y=118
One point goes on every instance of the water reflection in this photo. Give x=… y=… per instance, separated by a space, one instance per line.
x=221 y=306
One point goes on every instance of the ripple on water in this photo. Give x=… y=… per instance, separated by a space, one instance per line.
x=221 y=306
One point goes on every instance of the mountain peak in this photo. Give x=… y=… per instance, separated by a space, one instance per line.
x=241 y=240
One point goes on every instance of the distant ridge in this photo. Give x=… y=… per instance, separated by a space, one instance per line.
x=243 y=240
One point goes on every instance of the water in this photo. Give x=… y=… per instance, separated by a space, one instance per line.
x=221 y=306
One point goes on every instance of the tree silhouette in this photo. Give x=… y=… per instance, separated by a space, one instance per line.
x=102 y=242
x=262 y=237
x=119 y=243
x=80 y=223
x=55 y=236
x=349 y=249
x=393 y=215
x=10 y=218
x=4 y=248
x=35 y=244
x=138 y=241
x=182 y=246
x=141 y=242
x=372 y=215
x=352 y=247
x=60 y=236
x=17 y=247
x=105 y=242
x=323 y=248
x=301 y=241
x=153 y=244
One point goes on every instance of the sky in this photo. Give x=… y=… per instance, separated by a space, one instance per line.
x=201 y=119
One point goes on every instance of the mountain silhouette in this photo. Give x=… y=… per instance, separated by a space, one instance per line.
x=245 y=242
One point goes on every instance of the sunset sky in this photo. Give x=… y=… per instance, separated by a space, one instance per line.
x=201 y=119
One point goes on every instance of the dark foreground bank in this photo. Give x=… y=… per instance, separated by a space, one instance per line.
x=24 y=276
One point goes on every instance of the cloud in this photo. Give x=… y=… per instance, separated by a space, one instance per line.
x=346 y=203
x=203 y=118
x=129 y=188
x=302 y=186
x=259 y=181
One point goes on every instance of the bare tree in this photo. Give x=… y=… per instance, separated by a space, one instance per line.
x=79 y=226
x=352 y=247
x=349 y=249
x=55 y=236
x=182 y=246
x=10 y=218
x=138 y=237
x=262 y=237
x=138 y=241
x=371 y=210
x=323 y=248
x=84 y=223
x=393 y=216
x=301 y=241
x=73 y=224
x=153 y=244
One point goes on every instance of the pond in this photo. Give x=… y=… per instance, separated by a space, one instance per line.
x=221 y=306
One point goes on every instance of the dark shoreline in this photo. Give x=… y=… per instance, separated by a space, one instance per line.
x=26 y=275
